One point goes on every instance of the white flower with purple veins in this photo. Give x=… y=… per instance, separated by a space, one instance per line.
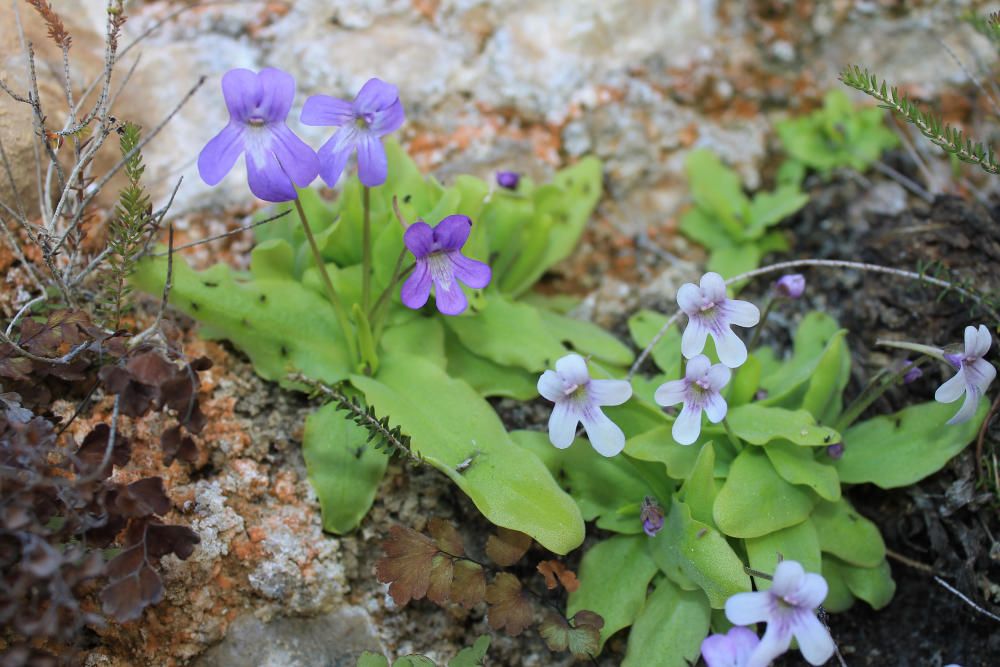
x=789 y=609
x=698 y=391
x=973 y=377
x=710 y=313
x=732 y=649
x=578 y=400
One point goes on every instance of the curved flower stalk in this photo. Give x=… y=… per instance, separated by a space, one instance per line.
x=374 y=113
x=277 y=160
x=578 y=399
x=438 y=251
x=711 y=313
x=699 y=390
x=732 y=649
x=973 y=377
x=789 y=609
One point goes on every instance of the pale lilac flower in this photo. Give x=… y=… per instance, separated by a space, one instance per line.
x=579 y=399
x=699 y=390
x=438 y=251
x=788 y=608
x=732 y=649
x=711 y=312
x=973 y=377
x=792 y=285
x=651 y=515
x=374 y=113
x=276 y=159
x=508 y=179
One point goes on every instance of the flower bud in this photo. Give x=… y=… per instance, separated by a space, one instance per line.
x=508 y=179
x=835 y=451
x=912 y=373
x=791 y=286
x=651 y=516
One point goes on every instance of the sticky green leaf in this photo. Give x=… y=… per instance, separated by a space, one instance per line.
x=487 y=377
x=824 y=394
x=667 y=353
x=815 y=332
x=839 y=598
x=847 y=535
x=273 y=260
x=614 y=574
x=658 y=445
x=746 y=381
x=799 y=465
x=586 y=338
x=700 y=488
x=669 y=629
x=799 y=543
x=874 y=585
x=760 y=424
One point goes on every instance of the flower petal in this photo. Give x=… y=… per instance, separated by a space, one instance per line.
x=295 y=156
x=950 y=391
x=715 y=407
x=374 y=96
x=689 y=298
x=812 y=591
x=324 y=110
x=220 y=154
x=744 y=640
x=450 y=299
x=609 y=392
x=747 y=608
x=788 y=576
x=452 y=232
x=241 y=90
x=573 y=369
x=604 y=434
x=983 y=341
x=742 y=313
x=713 y=287
x=333 y=155
x=562 y=425
x=718 y=651
x=670 y=393
x=718 y=376
x=776 y=640
x=551 y=387
x=693 y=340
x=731 y=350
x=687 y=426
x=815 y=641
x=373 y=166
x=268 y=181
x=969 y=407
x=388 y=120
x=277 y=89
x=697 y=368
x=473 y=273
x=980 y=373
x=419 y=239
x=417 y=288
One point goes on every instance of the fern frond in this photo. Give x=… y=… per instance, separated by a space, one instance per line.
x=948 y=138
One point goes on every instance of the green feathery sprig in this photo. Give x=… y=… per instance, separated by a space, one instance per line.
x=948 y=138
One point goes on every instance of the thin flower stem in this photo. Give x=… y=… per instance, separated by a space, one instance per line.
x=871 y=393
x=366 y=249
x=768 y=307
x=375 y=314
x=826 y=263
x=331 y=293
x=925 y=350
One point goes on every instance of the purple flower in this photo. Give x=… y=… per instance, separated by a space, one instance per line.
x=973 y=377
x=699 y=390
x=791 y=285
x=579 y=399
x=732 y=649
x=835 y=451
x=911 y=375
x=710 y=312
x=440 y=261
x=788 y=608
x=374 y=113
x=508 y=179
x=651 y=515
x=277 y=160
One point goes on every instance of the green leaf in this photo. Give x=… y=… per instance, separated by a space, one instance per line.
x=472 y=656
x=798 y=465
x=847 y=535
x=746 y=381
x=734 y=260
x=614 y=575
x=903 y=448
x=717 y=189
x=770 y=208
x=462 y=436
x=704 y=227
x=700 y=489
x=413 y=661
x=815 y=332
x=273 y=260
x=824 y=394
x=343 y=468
x=581 y=190
x=509 y=334
x=755 y=500
x=369 y=659
x=840 y=598
x=420 y=336
x=658 y=445
x=586 y=338
x=759 y=424
x=799 y=543
x=667 y=353
x=669 y=629
x=487 y=377
x=873 y=585
x=279 y=324
x=700 y=554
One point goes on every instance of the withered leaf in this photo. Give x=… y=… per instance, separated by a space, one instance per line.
x=91 y=451
x=407 y=564
x=442 y=574
x=176 y=445
x=507 y=546
x=556 y=573
x=446 y=536
x=163 y=539
x=143 y=498
x=581 y=636
x=127 y=595
x=509 y=607
x=468 y=588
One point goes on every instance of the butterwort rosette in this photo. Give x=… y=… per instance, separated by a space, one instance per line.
x=440 y=262
x=277 y=160
x=973 y=377
x=374 y=113
x=699 y=390
x=711 y=313
x=578 y=400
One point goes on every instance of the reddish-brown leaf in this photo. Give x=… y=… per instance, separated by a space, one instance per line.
x=407 y=564
x=91 y=452
x=509 y=607
x=442 y=575
x=163 y=539
x=556 y=573
x=468 y=588
x=446 y=536
x=507 y=546
x=143 y=498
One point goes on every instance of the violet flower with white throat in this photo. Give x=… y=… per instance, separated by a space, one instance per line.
x=578 y=399
x=699 y=390
x=973 y=377
x=711 y=313
x=789 y=609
